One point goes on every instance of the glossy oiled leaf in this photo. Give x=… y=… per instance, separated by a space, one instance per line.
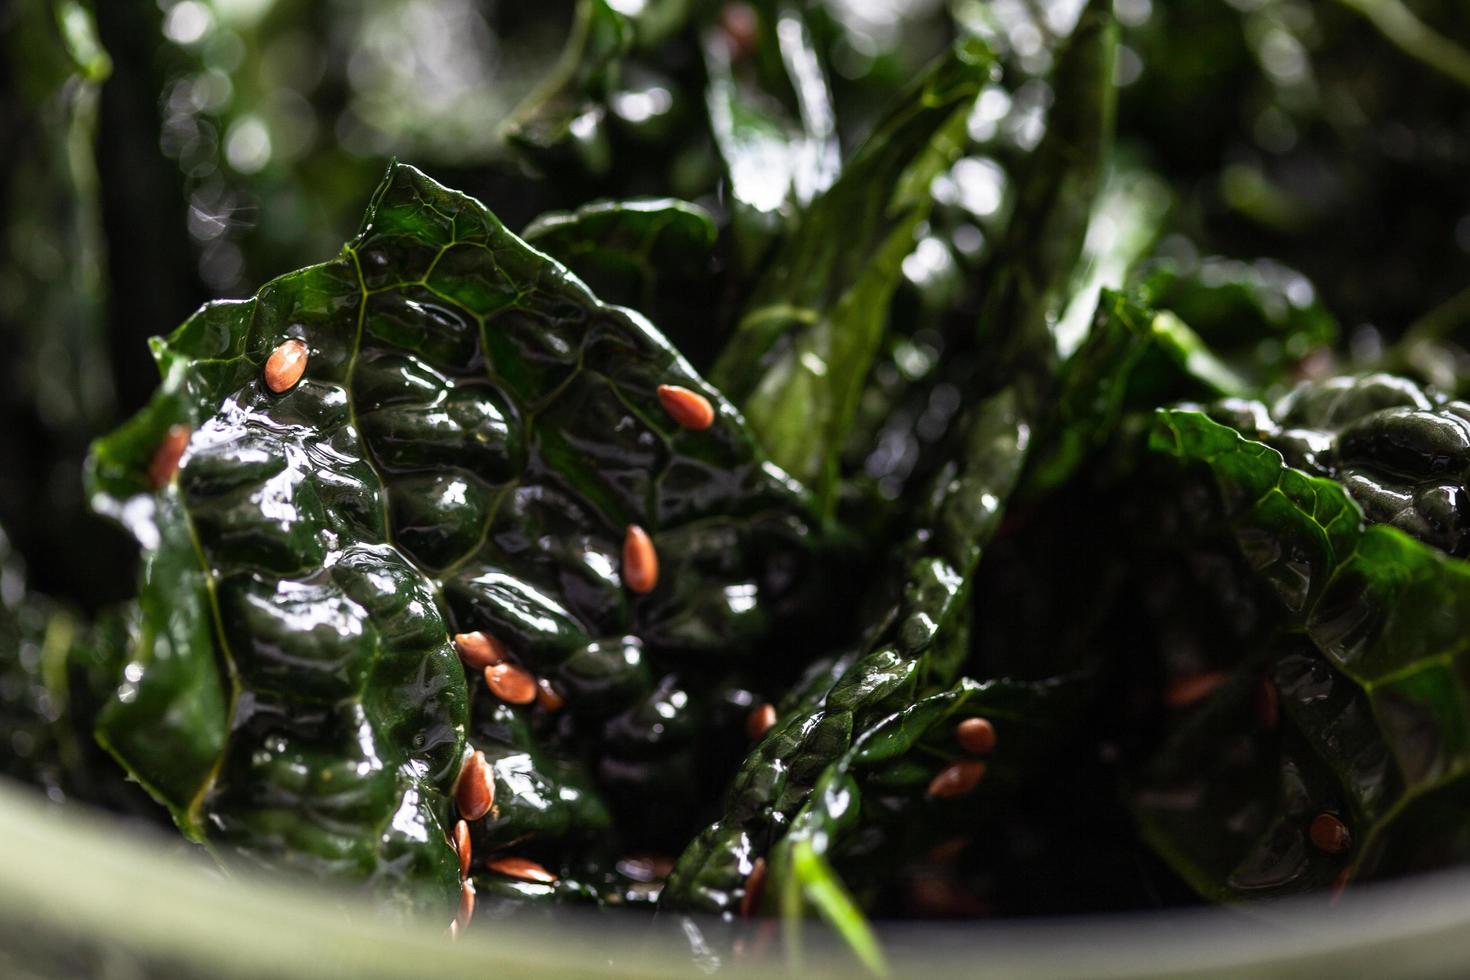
x=539 y=797
x=775 y=164
x=1400 y=450
x=895 y=758
x=810 y=331
x=918 y=639
x=472 y=437
x=917 y=645
x=641 y=236
x=1056 y=233
x=1056 y=196
x=1261 y=316
x=1378 y=699
x=1132 y=359
x=652 y=255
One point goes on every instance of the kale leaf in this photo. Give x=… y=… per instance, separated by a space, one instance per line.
x=1372 y=704
x=775 y=164
x=917 y=643
x=473 y=435
x=812 y=327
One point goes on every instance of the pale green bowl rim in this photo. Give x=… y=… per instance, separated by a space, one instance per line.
x=74 y=876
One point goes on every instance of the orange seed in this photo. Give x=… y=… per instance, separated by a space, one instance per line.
x=755 y=883
x=640 y=561
x=285 y=366
x=466 y=909
x=689 y=408
x=976 y=736
x=475 y=791
x=510 y=683
x=1191 y=689
x=462 y=848
x=165 y=462
x=522 y=868
x=957 y=779
x=1268 y=704
x=760 y=720
x=547 y=697
x=478 y=651
x=1339 y=885
x=1329 y=834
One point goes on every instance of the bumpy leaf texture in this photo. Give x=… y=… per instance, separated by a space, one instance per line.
x=916 y=643
x=1402 y=452
x=653 y=254
x=473 y=434
x=919 y=634
x=1373 y=704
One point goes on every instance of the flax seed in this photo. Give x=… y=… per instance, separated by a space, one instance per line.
x=285 y=366
x=1339 y=885
x=475 y=791
x=462 y=847
x=466 y=909
x=1191 y=689
x=547 y=697
x=640 y=561
x=1268 y=705
x=688 y=408
x=755 y=883
x=976 y=736
x=165 y=462
x=760 y=720
x=957 y=779
x=477 y=650
x=522 y=868
x=1329 y=834
x=511 y=684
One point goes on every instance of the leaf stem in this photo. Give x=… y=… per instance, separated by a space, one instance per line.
x=1403 y=28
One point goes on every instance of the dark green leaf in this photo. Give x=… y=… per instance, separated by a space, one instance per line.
x=917 y=643
x=653 y=255
x=810 y=332
x=1030 y=719
x=1056 y=195
x=473 y=435
x=1261 y=317
x=1376 y=700
x=775 y=164
x=1131 y=359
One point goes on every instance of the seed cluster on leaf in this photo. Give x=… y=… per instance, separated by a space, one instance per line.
x=963 y=461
